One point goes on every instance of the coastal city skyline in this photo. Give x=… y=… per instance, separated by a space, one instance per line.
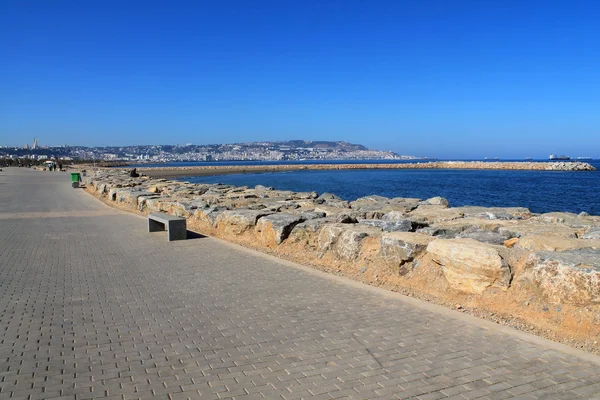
x=292 y=150
x=464 y=79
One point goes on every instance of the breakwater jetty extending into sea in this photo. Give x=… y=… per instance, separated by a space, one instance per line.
x=173 y=172
x=539 y=272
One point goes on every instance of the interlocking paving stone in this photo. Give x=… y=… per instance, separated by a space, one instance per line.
x=93 y=306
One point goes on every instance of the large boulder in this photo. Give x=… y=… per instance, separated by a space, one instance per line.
x=394 y=215
x=402 y=225
x=592 y=233
x=555 y=243
x=306 y=215
x=174 y=208
x=239 y=221
x=433 y=214
x=399 y=249
x=209 y=215
x=569 y=277
x=481 y=235
x=344 y=241
x=306 y=233
x=304 y=195
x=470 y=266
x=370 y=199
x=535 y=227
x=566 y=218
x=440 y=233
x=328 y=196
x=437 y=201
x=275 y=228
x=142 y=201
x=496 y=213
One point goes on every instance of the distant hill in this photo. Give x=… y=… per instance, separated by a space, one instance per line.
x=322 y=144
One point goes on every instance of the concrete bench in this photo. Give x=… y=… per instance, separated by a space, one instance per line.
x=175 y=226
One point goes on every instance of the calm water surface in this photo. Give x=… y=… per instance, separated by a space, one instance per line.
x=540 y=191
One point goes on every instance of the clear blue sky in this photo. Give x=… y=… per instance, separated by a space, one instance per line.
x=447 y=78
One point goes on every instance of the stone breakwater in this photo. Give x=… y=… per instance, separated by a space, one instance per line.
x=542 y=270
x=165 y=172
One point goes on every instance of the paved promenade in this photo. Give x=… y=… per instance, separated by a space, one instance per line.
x=94 y=306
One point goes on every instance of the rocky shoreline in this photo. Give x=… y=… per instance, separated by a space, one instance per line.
x=538 y=272
x=174 y=172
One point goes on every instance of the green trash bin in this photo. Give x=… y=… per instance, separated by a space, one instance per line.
x=75 y=179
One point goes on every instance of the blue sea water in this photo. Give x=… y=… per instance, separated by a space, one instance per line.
x=540 y=191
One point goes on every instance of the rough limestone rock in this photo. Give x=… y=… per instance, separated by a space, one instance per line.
x=555 y=243
x=349 y=243
x=484 y=236
x=328 y=236
x=333 y=211
x=338 y=203
x=440 y=233
x=470 y=266
x=371 y=199
x=532 y=227
x=437 y=201
x=406 y=201
x=394 y=216
x=592 y=233
x=494 y=213
x=239 y=221
x=328 y=196
x=345 y=218
x=306 y=232
x=275 y=228
x=304 y=195
x=306 y=215
x=569 y=277
x=434 y=214
x=344 y=241
x=174 y=208
x=209 y=215
x=566 y=218
x=371 y=210
x=153 y=203
x=263 y=188
x=400 y=248
x=142 y=202
x=402 y=225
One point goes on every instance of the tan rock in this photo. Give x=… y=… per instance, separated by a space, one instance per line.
x=400 y=248
x=275 y=228
x=470 y=266
x=344 y=241
x=511 y=242
x=238 y=221
x=437 y=201
x=433 y=214
x=328 y=236
x=496 y=213
x=570 y=277
x=569 y=219
x=307 y=233
x=350 y=241
x=517 y=228
x=555 y=243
